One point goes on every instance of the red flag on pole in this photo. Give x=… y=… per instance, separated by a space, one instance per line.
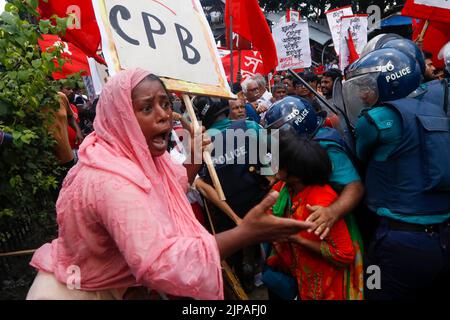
x=249 y=22
x=83 y=29
x=353 y=54
x=437 y=12
x=434 y=10
x=251 y=63
x=76 y=60
x=437 y=35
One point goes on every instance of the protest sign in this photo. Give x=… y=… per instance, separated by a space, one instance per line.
x=334 y=22
x=357 y=24
x=172 y=39
x=292 y=42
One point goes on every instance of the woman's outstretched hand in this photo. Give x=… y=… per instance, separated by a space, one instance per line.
x=259 y=225
x=264 y=226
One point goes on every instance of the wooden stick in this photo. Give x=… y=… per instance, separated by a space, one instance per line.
x=17 y=253
x=210 y=193
x=211 y=224
x=206 y=154
x=422 y=33
x=234 y=282
x=230 y=277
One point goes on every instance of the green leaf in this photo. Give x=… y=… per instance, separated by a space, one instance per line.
x=23 y=75
x=33 y=3
x=8 y=18
x=44 y=26
x=20 y=114
x=4 y=108
x=11 y=7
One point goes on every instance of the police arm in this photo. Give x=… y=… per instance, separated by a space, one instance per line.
x=211 y=194
x=323 y=218
x=258 y=226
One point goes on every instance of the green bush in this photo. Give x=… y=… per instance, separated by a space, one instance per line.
x=28 y=167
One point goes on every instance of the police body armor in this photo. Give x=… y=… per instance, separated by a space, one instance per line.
x=415 y=179
x=241 y=182
x=435 y=92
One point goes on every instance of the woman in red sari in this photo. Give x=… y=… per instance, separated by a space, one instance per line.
x=318 y=265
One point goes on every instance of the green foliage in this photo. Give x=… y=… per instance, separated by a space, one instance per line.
x=27 y=167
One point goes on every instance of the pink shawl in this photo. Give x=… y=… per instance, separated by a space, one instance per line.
x=123 y=215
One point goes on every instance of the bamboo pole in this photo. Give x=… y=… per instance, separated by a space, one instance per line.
x=419 y=39
x=17 y=253
x=206 y=154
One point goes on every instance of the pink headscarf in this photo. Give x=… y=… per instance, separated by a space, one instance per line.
x=157 y=238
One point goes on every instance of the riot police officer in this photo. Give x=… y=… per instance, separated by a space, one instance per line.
x=239 y=160
x=405 y=143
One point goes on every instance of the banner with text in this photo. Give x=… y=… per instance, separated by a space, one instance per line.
x=251 y=64
x=292 y=42
x=445 y=4
x=434 y=10
x=172 y=39
x=357 y=24
x=334 y=22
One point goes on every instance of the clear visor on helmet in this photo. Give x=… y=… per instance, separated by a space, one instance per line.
x=359 y=92
x=444 y=54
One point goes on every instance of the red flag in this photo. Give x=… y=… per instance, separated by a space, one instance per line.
x=434 y=11
x=436 y=36
x=250 y=23
x=83 y=32
x=352 y=53
x=76 y=60
x=251 y=63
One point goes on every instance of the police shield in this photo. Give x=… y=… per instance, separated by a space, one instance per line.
x=344 y=127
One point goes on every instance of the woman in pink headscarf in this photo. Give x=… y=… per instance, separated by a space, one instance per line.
x=123 y=217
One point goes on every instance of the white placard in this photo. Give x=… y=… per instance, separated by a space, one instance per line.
x=170 y=38
x=445 y=4
x=358 y=27
x=334 y=22
x=292 y=42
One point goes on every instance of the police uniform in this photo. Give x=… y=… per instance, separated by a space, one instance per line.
x=411 y=245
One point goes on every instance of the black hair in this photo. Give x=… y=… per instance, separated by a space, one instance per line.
x=279 y=86
x=333 y=73
x=208 y=109
x=305 y=159
x=427 y=54
x=152 y=77
x=310 y=77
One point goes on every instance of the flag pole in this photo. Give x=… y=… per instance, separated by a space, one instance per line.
x=231 y=43
x=239 y=59
x=419 y=39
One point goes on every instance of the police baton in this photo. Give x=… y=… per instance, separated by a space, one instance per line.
x=206 y=154
x=318 y=96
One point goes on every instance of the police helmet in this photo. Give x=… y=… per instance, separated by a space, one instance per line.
x=444 y=54
x=409 y=47
x=294 y=114
x=208 y=109
x=382 y=75
x=378 y=41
